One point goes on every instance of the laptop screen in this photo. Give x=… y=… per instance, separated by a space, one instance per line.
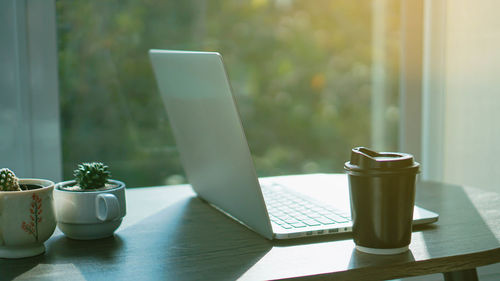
x=209 y=134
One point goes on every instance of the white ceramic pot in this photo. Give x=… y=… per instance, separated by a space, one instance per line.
x=26 y=219
x=86 y=215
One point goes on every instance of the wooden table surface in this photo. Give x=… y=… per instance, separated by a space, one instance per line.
x=169 y=234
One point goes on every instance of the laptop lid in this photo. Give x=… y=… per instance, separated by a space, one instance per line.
x=209 y=134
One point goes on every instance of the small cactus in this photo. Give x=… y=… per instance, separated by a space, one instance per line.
x=8 y=180
x=91 y=175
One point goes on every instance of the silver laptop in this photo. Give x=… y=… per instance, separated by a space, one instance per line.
x=217 y=160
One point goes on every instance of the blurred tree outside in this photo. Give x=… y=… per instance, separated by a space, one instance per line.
x=300 y=72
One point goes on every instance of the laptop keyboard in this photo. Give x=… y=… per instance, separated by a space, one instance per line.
x=290 y=210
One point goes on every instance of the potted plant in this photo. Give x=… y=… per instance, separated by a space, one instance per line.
x=92 y=205
x=26 y=215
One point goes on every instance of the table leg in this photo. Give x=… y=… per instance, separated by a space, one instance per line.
x=461 y=275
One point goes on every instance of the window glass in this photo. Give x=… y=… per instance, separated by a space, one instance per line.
x=302 y=73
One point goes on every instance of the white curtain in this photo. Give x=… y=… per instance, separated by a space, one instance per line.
x=461 y=134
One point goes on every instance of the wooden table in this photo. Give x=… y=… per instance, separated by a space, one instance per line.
x=169 y=234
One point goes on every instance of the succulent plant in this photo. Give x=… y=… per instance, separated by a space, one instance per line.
x=92 y=175
x=8 y=180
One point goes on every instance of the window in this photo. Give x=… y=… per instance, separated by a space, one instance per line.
x=309 y=80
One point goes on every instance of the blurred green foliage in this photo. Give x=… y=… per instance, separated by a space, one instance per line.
x=300 y=71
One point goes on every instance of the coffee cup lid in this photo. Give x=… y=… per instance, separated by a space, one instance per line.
x=366 y=161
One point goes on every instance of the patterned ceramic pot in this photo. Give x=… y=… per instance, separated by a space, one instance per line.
x=27 y=219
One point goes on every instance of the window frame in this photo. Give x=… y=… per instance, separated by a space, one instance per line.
x=410 y=126
x=433 y=92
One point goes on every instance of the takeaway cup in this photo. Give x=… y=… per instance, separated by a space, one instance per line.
x=382 y=194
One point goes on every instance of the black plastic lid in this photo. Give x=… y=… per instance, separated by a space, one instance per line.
x=366 y=161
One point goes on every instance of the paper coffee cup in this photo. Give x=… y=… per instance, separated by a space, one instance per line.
x=382 y=194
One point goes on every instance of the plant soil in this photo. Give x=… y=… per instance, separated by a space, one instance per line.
x=79 y=189
x=29 y=186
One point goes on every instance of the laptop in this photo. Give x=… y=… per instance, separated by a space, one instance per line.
x=216 y=158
